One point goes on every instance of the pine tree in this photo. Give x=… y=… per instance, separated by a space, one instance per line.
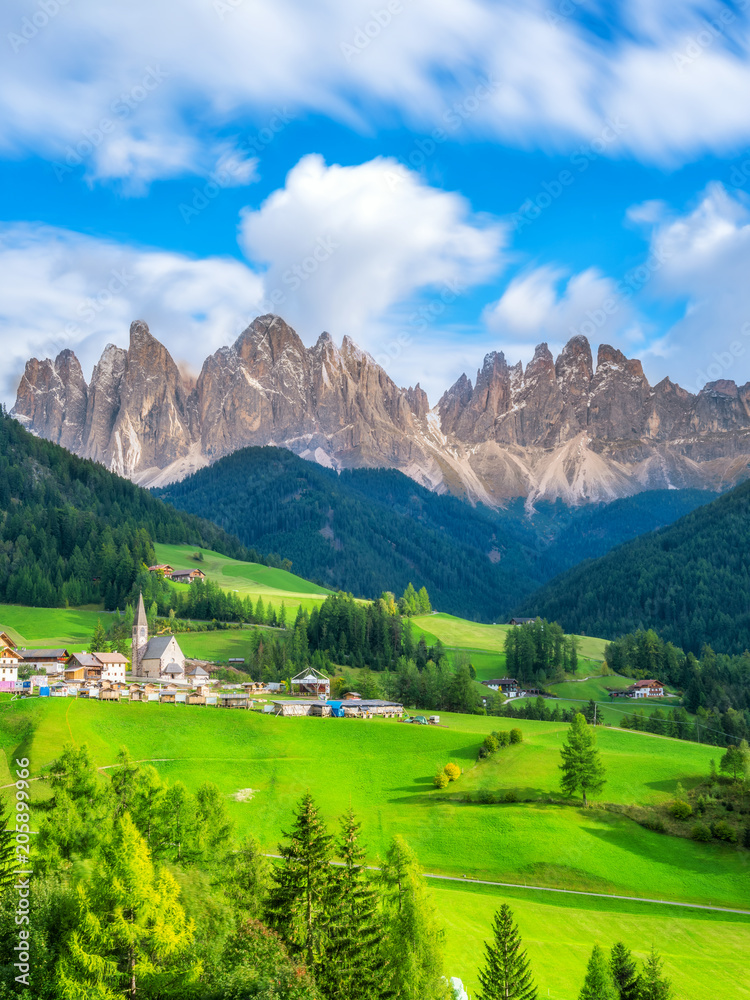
x=132 y=937
x=414 y=939
x=653 y=985
x=124 y=781
x=506 y=975
x=581 y=765
x=299 y=900
x=355 y=968
x=98 y=642
x=598 y=984
x=624 y=972
x=246 y=878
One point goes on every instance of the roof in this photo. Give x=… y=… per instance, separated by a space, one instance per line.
x=157 y=647
x=140 y=615
x=6 y=640
x=641 y=684
x=501 y=680
x=173 y=668
x=310 y=674
x=198 y=670
x=368 y=703
x=181 y=572
x=523 y=621
x=85 y=660
x=111 y=658
x=44 y=654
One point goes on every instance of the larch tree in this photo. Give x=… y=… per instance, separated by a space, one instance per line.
x=132 y=937
x=415 y=941
x=506 y=974
x=624 y=972
x=299 y=899
x=598 y=984
x=582 y=769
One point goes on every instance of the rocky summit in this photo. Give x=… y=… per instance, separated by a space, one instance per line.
x=560 y=428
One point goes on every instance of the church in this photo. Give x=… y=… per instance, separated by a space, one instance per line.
x=157 y=658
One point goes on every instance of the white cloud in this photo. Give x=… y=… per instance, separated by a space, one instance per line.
x=540 y=304
x=676 y=74
x=62 y=289
x=702 y=258
x=344 y=246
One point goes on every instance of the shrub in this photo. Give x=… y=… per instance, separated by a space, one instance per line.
x=724 y=831
x=491 y=744
x=440 y=780
x=516 y=736
x=655 y=823
x=680 y=809
x=503 y=738
x=486 y=797
x=701 y=832
x=483 y=752
x=700 y=805
x=453 y=771
x=511 y=795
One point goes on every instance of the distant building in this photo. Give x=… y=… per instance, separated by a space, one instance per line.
x=506 y=685
x=641 y=689
x=164 y=568
x=187 y=575
x=522 y=621
x=51 y=661
x=9 y=660
x=114 y=666
x=160 y=657
x=311 y=682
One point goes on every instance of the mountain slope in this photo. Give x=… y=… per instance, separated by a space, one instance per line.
x=562 y=428
x=368 y=530
x=689 y=581
x=70 y=531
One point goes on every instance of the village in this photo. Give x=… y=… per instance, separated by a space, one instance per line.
x=160 y=672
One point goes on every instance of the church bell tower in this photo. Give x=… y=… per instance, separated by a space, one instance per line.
x=140 y=636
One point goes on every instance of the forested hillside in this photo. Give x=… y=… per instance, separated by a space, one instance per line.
x=72 y=532
x=369 y=530
x=690 y=582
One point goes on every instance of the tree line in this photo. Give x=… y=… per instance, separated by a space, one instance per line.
x=540 y=653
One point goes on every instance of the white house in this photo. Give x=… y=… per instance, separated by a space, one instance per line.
x=9 y=660
x=114 y=666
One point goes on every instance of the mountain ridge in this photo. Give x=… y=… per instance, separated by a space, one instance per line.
x=559 y=428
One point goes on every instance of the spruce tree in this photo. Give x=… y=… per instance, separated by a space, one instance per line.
x=581 y=765
x=653 y=984
x=507 y=974
x=355 y=968
x=300 y=896
x=598 y=984
x=624 y=972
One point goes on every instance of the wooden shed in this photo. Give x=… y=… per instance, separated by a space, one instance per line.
x=234 y=699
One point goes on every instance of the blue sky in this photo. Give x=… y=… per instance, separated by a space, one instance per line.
x=433 y=179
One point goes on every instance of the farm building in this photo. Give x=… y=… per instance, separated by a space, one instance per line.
x=521 y=621
x=96 y=666
x=51 y=661
x=9 y=660
x=187 y=575
x=196 y=673
x=506 y=685
x=311 y=682
x=338 y=709
x=164 y=568
x=234 y=699
x=641 y=689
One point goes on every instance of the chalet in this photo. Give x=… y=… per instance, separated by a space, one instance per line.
x=114 y=666
x=506 y=685
x=83 y=667
x=522 y=621
x=51 y=661
x=311 y=682
x=641 y=689
x=9 y=660
x=187 y=575
x=164 y=568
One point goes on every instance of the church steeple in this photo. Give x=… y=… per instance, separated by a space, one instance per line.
x=140 y=635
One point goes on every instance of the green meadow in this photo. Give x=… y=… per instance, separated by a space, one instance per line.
x=51 y=627
x=247 y=579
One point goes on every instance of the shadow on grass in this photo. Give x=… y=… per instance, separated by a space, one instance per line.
x=670 y=784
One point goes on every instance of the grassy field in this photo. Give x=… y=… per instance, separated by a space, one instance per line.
x=384 y=769
x=248 y=579
x=50 y=627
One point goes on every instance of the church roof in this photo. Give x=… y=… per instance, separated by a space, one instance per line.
x=140 y=616
x=173 y=668
x=157 y=647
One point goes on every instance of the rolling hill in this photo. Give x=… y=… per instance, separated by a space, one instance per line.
x=689 y=581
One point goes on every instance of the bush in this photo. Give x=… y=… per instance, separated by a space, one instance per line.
x=486 y=797
x=681 y=810
x=701 y=832
x=511 y=795
x=655 y=823
x=724 y=831
x=483 y=752
x=491 y=744
x=440 y=780
x=516 y=736
x=453 y=771
x=503 y=738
